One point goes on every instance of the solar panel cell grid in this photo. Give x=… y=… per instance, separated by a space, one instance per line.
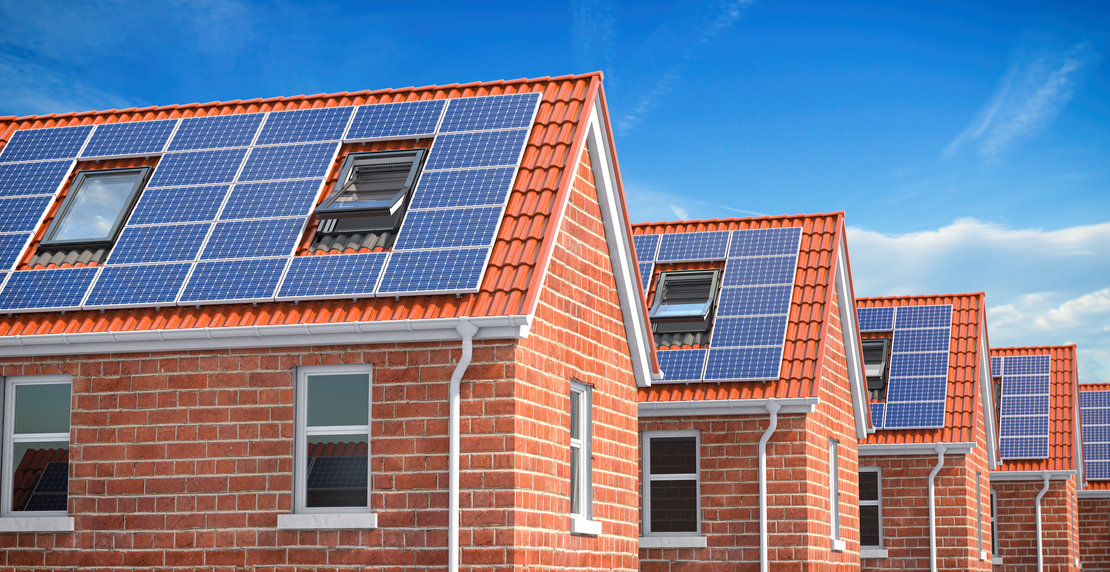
x=917 y=389
x=682 y=365
x=197 y=168
x=253 y=238
x=310 y=160
x=875 y=319
x=931 y=364
x=744 y=363
x=433 y=271
x=1096 y=470
x=1025 y=385
x=305 y=125
x=449 y=228
x=1020 y=426
x=748 y=331
x=754 y=300
x=163 y=243
x=333 y=275
x=1097 y=416
x=390 y=120
x=646 y=246
x=140 y=284
x=129 y=138
x=274 y=199
x=178 y=204
x=1023 y=447
x=11 y=246
x=481 y=149
x=490 y=112
x=877 y=414
x=760 y=271
x=693 y=246
x=1094 y=399
x=45 y=144
x=468 y=188
x=1096 y=434
x=1026 y=365
x=40 y=178
x=1024 y=405
x=910 y=415
x=921 y=340
x=996 y=367
x=228 y=280
x=22 y=214
x=765 y=242
x=56 y=289
x=923 y=316
x=216 y=132
x=646 y=269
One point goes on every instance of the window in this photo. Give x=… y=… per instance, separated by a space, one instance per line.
x=581 y=460
x=834 y=494
x=876 y=365
x=36 y=446
x=979 y=511
x=95 y=208
x=684 y=301
x=870 y=508
x=372 y=191
x=671 y=483
x=994 y=526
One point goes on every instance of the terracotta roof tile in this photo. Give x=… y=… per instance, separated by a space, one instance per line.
x=1063 y=419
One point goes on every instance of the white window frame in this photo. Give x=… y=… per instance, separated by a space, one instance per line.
x=27 y=521
x=878 y=502
x=650 y=539
x=582 y=521
x=979 y=512
x=838 y=543
x=996 y=557
x=304 y=517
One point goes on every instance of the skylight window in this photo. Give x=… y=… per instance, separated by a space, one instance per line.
x=684 y=301
x=95 y=207
x=876 y=364
x=372 y=191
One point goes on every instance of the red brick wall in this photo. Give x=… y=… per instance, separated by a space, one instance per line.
x=1017 y=532
x=1094 y=533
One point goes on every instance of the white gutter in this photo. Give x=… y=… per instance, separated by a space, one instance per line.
x=773 y=409
x=915 y=449
x=1040 y=540
x=725 y=407
x=355 y=333
x=1030 y=475
x=467 y=330
x=940 y=449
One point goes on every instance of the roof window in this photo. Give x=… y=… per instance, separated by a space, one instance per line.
x=876 y=365
x=684 y=301
x=95 y=207
x=372 y=191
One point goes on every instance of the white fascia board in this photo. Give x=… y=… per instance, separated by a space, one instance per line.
x=725 y=407
x=342 y=333
x=625 y=267
x=1031 y=475
x=850 y=334
x=986 y=388
x=1094 y=494
x=879 y=450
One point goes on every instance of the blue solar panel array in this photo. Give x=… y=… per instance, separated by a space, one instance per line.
x=229 y=200
x=918 y=382
x=749 y=325
x=1094 y=411
x=1024 y=411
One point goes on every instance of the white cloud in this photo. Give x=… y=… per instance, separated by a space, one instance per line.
x=651 y=205
x=1027 y=99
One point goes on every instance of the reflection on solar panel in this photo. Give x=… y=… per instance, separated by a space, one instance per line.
x=1094 y=410
x=216 y=132
x=337 y=473
x=259 y=200
x=52 y=489
x=41 y=178
x=352 y=275
x=162 y=243
x=44 y=144
x=138 y=284
x=481 y=149
x=394 y=120
x=253 y=238
x=492 y=112
x=692 y=246
x=24 y=213
x=430 y=271
x=305 y=125
x=449 y=228
x=289 y=162
x=1024 y=411
x=234 y=280
x=178 y=204
x=129 y=138
x=918 y=382
x=468 y=188
x=59 y=288
x=197 y=168
x=875 y=319
x=11 y=246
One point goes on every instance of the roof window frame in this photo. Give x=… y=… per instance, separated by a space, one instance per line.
x=338 y=216
x=880 y=370
x=75 y=188
x=694 y=320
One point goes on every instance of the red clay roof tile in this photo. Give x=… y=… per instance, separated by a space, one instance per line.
x=1063 y=418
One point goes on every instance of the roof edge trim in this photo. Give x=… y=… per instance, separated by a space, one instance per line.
x=881 y=449
x=849 y=332
x=393 y=331
x=725 y=407
x=1094 y=494
x=1031 y=475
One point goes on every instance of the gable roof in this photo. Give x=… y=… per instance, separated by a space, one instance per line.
x=966 y=356
x=1099 y=488
x=512 y=280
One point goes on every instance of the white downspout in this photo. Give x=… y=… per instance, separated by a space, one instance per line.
x=933 y=508
x=1040 y=541
x=772 y=408
x=467 y=330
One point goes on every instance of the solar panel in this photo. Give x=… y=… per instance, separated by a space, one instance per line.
x=40 y=178
x=996 y=367
x=682 y=365
x=744 y=363
x=51 y=490
x=56 y=289
x=765 y=242
x=393 y=120
x=346 y=275
x=927 y=364
x=253 y=238
x=939 y=315
x=310 y=160
x=921 y=340
x=748 y=331
x=1026 y=425
x=23 y=214
x=433 y=271
x=234 y=280
x=11 y=246
x=481 y=149
x=1096 y=470
x=1023 y=447
x=129 y=138
x=275 y=199
x=875 y=319
x=755 y=300
x=760 y=271
x=1026 y=365
x=646 y=246
x=1028 y=384
x=305 y=125
x=44 y=144
x=914 y=415
x=468 y=188
x=1024 y=411
x=178 y=204
x=338 y=473
x=162 y=243
x=1094 y=416
x=646 y=269
x=918 y=389
x=690 y=246
x=216 y=132
x=197 y=168
x=449 y=228
x=1013 y=405
x=490 y=112
x=138 y=284
x=1094 y=398
x=877 y=414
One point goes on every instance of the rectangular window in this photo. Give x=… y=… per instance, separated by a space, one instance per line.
x=671 y=503
x=994 y=525
x=372 y=191
x=36 y=445
x=876 y=365
x=684 y=301
x=332 y=444
x=870 y=508
x=979 y=509
x=834 y=494
x=581 y=459
x=95 y=208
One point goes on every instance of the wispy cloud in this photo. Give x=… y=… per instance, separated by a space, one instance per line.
x=648 y=204
x=1027 y=99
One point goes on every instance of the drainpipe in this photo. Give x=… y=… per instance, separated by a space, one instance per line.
x=933 y=508
x=1040 y=541
x=772 y=408
x=467 y=330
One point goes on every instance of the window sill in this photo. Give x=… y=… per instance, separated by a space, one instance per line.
x=982 y=555
x=872 y=552
x=996 y=560
x=36 y=524
x=838 y=545
x=309 y=521
x=673 y=542
x=584 y=527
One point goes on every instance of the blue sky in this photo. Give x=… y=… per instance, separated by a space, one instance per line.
x=968 y=142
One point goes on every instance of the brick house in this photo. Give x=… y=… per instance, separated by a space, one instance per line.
x=749 y=441
x=397 y=329
x=1094 y=496
x=1033 y=489
x=924 y=473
